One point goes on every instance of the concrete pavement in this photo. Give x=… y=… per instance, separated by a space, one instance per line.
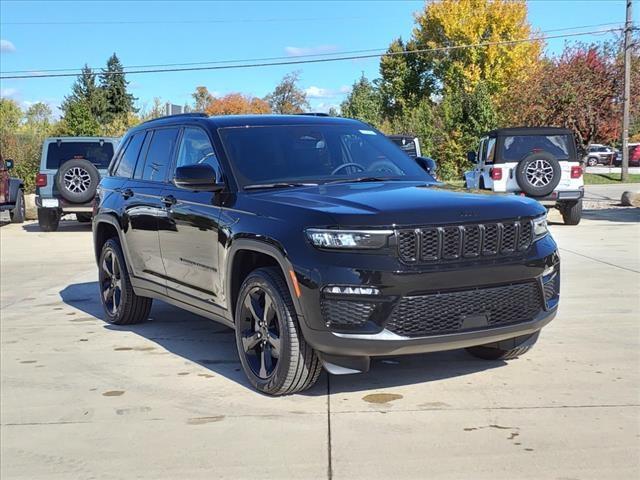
x=167 y=399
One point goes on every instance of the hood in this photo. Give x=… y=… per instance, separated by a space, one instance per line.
x=401 y=203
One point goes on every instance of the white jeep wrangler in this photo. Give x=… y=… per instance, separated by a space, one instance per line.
x=539 y=162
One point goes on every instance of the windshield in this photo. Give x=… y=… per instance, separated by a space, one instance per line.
x=315 y=154
x=60 y=152
x=516 y=148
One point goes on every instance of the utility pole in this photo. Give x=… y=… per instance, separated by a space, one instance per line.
x=627 y=94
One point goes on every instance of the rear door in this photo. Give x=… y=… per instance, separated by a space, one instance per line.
x=144 y=209
x=189 y=228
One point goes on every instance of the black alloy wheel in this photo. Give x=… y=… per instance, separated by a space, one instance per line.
x=260 y=332
x=111 y=282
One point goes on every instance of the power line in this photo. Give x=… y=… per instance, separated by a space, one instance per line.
x=263 y=63
x=263 y=59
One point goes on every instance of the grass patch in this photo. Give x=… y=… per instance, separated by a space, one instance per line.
x=603 y=178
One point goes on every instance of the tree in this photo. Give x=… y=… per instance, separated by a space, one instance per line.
x=287 y=96
x=78 y=121
x=363 y=102
x=447 y=23
x=202 y=99
x=114 y=86
x=404 y=78
x=38 y=117
x=86 y=90
x=156 y=110
x=236 y=104
x=581 y=90
x=10 y=115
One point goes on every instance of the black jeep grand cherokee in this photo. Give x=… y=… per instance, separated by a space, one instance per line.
x=320 y=242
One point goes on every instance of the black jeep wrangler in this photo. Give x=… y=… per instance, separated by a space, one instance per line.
x=320 y=243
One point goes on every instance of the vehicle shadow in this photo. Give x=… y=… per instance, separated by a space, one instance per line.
x=64 y=226
x=213 y=347
x=618 y=215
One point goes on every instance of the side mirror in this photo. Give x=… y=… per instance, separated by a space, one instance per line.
x=201 y=177
x=428 y=164
x=8 y=163
x=471 y=156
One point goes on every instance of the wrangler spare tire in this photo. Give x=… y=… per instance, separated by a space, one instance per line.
x=77 y=180
x=538 y=174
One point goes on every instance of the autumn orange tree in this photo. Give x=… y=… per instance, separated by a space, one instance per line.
x=236 y=104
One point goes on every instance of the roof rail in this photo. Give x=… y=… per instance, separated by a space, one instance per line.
x=191 y=114
x=314 y=114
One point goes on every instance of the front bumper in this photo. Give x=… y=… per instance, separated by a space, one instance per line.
x=350 y=346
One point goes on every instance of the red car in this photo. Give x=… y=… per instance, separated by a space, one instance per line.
x=11 y=192
x=634 y=156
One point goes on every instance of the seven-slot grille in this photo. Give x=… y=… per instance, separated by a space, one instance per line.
x=460 y=242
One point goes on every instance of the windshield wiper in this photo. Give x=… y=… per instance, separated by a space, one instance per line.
x=361 y=179
x=278 y=185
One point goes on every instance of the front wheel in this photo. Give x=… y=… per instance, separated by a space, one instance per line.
x=18 y=213
x=274 y=355
x=592 y=161
x=571 y=212
x=120 y=303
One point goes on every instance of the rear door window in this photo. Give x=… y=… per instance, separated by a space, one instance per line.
x=159 y=154
x=517 y=147
x=98 y=153
x=130 y=156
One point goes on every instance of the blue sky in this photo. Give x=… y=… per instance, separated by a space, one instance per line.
x=238 y=30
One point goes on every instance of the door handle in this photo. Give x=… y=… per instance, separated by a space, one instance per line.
x=169 y=200
x=126 y=193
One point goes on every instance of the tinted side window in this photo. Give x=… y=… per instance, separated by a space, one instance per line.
x=159 y=154
x=130 y=156
x=195 y=148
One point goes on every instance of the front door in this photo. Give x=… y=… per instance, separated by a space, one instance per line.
x=189 y=231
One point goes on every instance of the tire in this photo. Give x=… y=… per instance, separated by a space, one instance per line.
x=297 y=367
x=571 y=212
x=506 y=349
x=77 y=180
x=18 y=213
x=592 y=161
x=538 y=174
x=83 y=217
x=489 y=353
x=120 y=303
x=48 y=219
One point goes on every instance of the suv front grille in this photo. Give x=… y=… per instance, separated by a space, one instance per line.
x=464 y=242
x=439 y=313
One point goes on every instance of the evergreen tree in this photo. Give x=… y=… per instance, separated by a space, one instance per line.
x=363 y=103
x=119 y=103
x=86 y=98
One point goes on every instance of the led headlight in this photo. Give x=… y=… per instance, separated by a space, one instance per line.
x=345 y=239
x=540 y=227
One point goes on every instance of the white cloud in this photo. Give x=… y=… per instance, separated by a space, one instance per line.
x=324 y=107
x=319 y=92
x=8 y=92
x=299 y=51
x=6 y=46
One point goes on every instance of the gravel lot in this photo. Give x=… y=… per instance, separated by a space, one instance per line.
x=166 y=399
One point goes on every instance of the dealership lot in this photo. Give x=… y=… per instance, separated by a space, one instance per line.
x=167 y=399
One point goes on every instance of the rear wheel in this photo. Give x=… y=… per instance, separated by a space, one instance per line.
x=18 y=213
x=592 y=161
x=48 y=219
x=120 y=303
x=571 y=212
x=274 y=355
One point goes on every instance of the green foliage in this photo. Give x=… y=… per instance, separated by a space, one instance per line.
x=113 y=84
x=288 y=97
x=78 y=121
x=10 y=115
x=363 y=102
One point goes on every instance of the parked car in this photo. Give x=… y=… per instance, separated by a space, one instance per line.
x=70 y=170
x=634 y=156
x=320 y=243
x=410 y=144
x=540 y=162
x=599 y=155
x=11 y=192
